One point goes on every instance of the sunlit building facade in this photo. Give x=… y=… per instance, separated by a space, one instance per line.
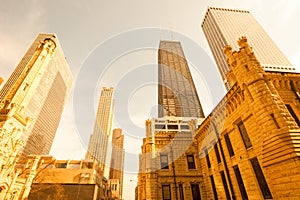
x=98 y=144
x=225 y=26
x=37 y=90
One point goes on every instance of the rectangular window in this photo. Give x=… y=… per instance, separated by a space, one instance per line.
x=195 y=192
x=261 y=179
x=207 y=158
x=229 y=146
x=184 y=127
x=181 y=192
x=244 y=135
x=289 y=107
x=213 y=185
x=164 y=163
x=172 y=126
x=217 y=153
x=191 y=162
x=166 y=192
x=240 y=182
x=225 y=185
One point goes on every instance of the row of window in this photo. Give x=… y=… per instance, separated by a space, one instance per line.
x=264 y=188
x=164 y=161
x=166 y=191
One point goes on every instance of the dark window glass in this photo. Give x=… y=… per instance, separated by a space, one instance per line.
x=185 y=127
x=207 y=158
x=191 y=162
x=240 y=182
x=164 y=163
x=61 y=165
x=195 y=191
x=217 y=153
x=244 y=135
x=181 y=192
x=261 y=179
x=229 y=146
x=172 y=126
x=293 y=114
x=213 y=185
x=166 y=192
x=160 y=126
x=225 y=185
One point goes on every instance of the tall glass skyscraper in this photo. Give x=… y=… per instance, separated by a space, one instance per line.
x=225 y=26
x=37 y=91
x=177 y=95
x=97 y=148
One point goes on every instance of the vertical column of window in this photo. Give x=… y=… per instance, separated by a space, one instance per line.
x=191 y=162
x=240 y=182
x=217 y=153
x=181 y=193
x=225 y=185
x=244 y=135
x=263 y=185
x=166 y=192
x=207 y=158
x=229 y=146
x=213 y=185
x=164 y=162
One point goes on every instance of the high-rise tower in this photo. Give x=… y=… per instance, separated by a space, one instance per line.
x=225 y=26
x=177 y=94
x=97 y=148
x=117 y=159
x=37 y=90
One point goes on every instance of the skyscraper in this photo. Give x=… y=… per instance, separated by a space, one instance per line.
x=225 y=26
x=117 y=159
x=177 y=94
x=37 y=90
x=97 y=148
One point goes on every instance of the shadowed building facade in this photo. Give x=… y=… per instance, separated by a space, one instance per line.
x=38 y=89
x=177 y=95
x=225 y=26
x=97 y=148
x=116 y=171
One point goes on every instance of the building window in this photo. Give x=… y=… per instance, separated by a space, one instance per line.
x=289 y=107
x=166 y=192
x=195 y=191
x=261 y=179
x=207 y=158
x=244 y=135
x=181 y=194
x=225 y=185
x=61 y=165
x=240 y=182
x=191 y=162
x=164 y=163
x=213 y=185
x=217 y=153
x=229 y=146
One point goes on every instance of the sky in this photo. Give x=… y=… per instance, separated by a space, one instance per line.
x=120 y=38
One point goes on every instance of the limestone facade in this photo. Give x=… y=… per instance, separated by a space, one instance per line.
x=247 y=148
x=251 y=139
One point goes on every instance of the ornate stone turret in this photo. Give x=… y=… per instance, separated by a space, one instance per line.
x=266 y=102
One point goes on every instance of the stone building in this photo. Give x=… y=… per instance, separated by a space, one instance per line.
x=249 y=145
x=168 y=166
